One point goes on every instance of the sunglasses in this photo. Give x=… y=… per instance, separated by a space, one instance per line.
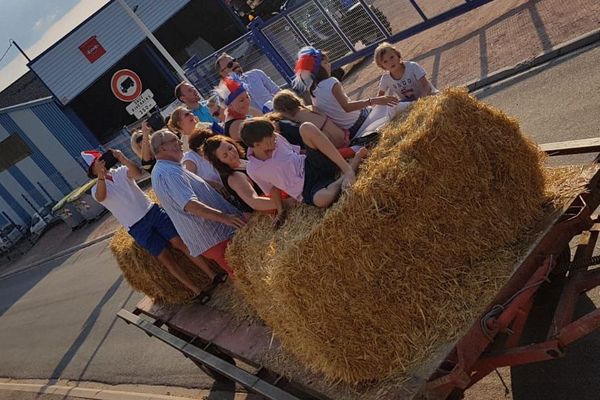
x=229 y=64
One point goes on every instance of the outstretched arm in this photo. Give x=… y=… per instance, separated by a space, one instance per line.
x=349 y=106
x=242 y=186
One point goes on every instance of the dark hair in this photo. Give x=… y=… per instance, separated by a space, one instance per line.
x=209 y=149
x=200 y=135
x=254 y=130
x=90 y=172
x=320 y=76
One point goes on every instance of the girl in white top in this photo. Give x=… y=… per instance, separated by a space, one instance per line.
x=313 y=74
x=195 y=162
x=405 y=79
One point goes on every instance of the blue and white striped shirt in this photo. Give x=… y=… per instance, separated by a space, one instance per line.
x=175 y=187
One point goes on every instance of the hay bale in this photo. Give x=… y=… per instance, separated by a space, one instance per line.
x=371 y=286
x=146 y=274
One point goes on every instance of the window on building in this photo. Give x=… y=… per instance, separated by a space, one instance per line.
x=12 y=150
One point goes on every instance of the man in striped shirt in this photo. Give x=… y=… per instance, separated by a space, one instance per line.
x=203 y=218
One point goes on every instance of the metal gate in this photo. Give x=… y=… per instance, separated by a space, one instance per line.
x=346 y=29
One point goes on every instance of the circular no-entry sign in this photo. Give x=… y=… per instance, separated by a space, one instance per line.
x=126 y=85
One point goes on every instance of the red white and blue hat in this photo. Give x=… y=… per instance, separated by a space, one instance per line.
x=230 y=88
x=307 y=66
x=89 y=156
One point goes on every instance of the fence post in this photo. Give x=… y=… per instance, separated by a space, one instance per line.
x=375 y=19
x=267 y=48
x=335 y=26
x=418 y=9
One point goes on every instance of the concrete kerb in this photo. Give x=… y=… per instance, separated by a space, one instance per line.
x=499 y=75
x=58 y=255
x=556 y=51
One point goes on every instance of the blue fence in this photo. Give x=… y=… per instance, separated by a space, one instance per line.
x=347 y=30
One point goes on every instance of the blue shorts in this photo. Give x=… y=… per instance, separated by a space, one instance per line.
x=154 y=230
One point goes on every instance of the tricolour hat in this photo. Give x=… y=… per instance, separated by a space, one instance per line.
x=307 y=66
x=89 y=156
x=230 y=88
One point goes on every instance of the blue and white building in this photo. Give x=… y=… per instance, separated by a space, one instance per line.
x=65 y=104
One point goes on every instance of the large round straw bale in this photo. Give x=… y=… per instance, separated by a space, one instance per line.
x=375 y=283
x=146 y=274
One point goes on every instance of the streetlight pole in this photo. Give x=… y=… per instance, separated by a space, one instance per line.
x=153 y=39
x=20 y=50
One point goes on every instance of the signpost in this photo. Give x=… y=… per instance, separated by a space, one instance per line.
x=126 y=85
x=142 y=105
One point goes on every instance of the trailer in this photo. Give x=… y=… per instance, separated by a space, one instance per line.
x=226 y=348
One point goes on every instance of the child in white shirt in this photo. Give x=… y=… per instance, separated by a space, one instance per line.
x=405 y=79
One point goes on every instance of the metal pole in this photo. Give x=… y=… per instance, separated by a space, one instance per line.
x=153 y=39
x=20 y=49
x=375 y=19
x=335 y=27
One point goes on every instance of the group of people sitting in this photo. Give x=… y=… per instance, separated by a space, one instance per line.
x=251 y=148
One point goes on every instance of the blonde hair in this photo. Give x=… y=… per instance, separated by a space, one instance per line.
x=380 y=51
x=175 y=119
x=286 y=101
x=135 y=145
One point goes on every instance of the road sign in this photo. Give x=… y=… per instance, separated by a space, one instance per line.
x=126 y=85
x=140 y=106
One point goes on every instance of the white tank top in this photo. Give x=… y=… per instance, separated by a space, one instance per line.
x=327 y=104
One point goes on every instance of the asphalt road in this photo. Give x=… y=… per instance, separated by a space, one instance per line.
x=554 y=102
x=58 y=320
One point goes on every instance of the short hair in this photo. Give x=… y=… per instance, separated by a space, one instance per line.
x=380 y=51
x=158 y=138
x=254 y=130
x=200 y=135
x=218 y=60
x=178 y=89
x=209 y=149
x=286 y=101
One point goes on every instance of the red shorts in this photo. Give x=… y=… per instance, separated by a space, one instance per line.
x=217 y=254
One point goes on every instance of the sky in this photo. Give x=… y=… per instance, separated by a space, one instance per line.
x=35 y=25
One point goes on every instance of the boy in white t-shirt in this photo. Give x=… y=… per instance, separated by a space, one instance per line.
x=117 y=190
x=405 y=79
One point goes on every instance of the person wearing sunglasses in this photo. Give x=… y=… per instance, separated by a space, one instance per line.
x=260 y=87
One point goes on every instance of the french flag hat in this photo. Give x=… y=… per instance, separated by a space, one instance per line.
x=230 y=88
x=307 y=66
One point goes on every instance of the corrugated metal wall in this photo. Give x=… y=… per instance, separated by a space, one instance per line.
x=54 y=167
x=67 y=72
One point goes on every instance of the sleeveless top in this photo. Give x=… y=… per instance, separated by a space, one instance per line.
x=234 y=198
x=326 y=103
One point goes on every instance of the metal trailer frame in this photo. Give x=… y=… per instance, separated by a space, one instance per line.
x=211 y=338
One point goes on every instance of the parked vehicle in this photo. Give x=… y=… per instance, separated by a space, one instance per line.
x=10 y=235
x=39 y=224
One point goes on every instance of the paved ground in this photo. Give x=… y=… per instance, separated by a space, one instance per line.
x=59 y=319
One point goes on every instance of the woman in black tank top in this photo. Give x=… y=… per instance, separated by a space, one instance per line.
x=228 y=157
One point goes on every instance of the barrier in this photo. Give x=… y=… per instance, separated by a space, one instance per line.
x=347 y=30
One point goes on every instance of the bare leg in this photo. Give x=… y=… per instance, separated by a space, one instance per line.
x=326 y=196
x=166 y=259
x=198 y=261
x=315 y=139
